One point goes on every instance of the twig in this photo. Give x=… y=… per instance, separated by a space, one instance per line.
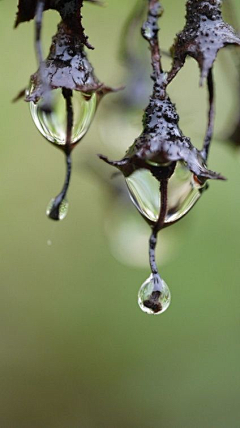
x=153 y=238
x=211 y=115
x=46 y=105
x=55 y=210
x=150 y=33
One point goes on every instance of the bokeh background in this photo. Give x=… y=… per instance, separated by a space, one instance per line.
x=75 y=349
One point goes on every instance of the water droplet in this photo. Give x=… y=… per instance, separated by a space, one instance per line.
x=49 y=242
x=151 y=300
x=57 y=209
x=53 y=125
x=183 y=192
x=148 y=31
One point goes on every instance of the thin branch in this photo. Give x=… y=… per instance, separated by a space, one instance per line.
x=211 y=116
x=150 y=33
x=38 y=30
x=153 y=238
x=67 y=94
x=46 y=105
x=55 y=210
x=164 y=200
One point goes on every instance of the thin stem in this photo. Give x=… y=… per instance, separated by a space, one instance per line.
x=54 y=213
x=152 y=246
x=55 y=210
x=150 y=33
x=153 y=238
x=176 y=67
x=163 y=191
x=38 y=29
x=211 y=115
x=68 y=176
x=67 y=94
x=72 y=18
x=46 y=105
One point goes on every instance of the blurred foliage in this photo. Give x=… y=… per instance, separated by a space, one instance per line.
x=75 y=349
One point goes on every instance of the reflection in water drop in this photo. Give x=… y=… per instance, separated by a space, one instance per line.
x=183 y=192
x=53 y=125
x=57 y=210
x=151 y=300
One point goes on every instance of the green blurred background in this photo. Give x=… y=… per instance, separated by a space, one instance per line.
x=75 y=349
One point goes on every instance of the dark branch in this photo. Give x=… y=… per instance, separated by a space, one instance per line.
x=46 y=104
x=153 y=238
x=55 y=210
x=150 y=33
x=67 y=94
x=38 y=28
x=211 y=115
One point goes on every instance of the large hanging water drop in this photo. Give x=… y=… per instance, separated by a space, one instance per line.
x=183 y=192
x=53 y=125
x=152 y=300
x=57 y=209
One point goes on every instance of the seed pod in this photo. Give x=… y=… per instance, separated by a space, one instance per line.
x=204 y=34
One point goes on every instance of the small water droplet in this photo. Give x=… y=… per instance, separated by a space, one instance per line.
x=57 y=209
x=183 y=192
x=49 y=242
x=148 y=32
x=53 y=125
x=151 y=300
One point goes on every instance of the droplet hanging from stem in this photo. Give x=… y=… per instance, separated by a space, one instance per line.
x=58 y=207
x=154 y=295
x=184 y=190
x=152 y=301
x=53 y=125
